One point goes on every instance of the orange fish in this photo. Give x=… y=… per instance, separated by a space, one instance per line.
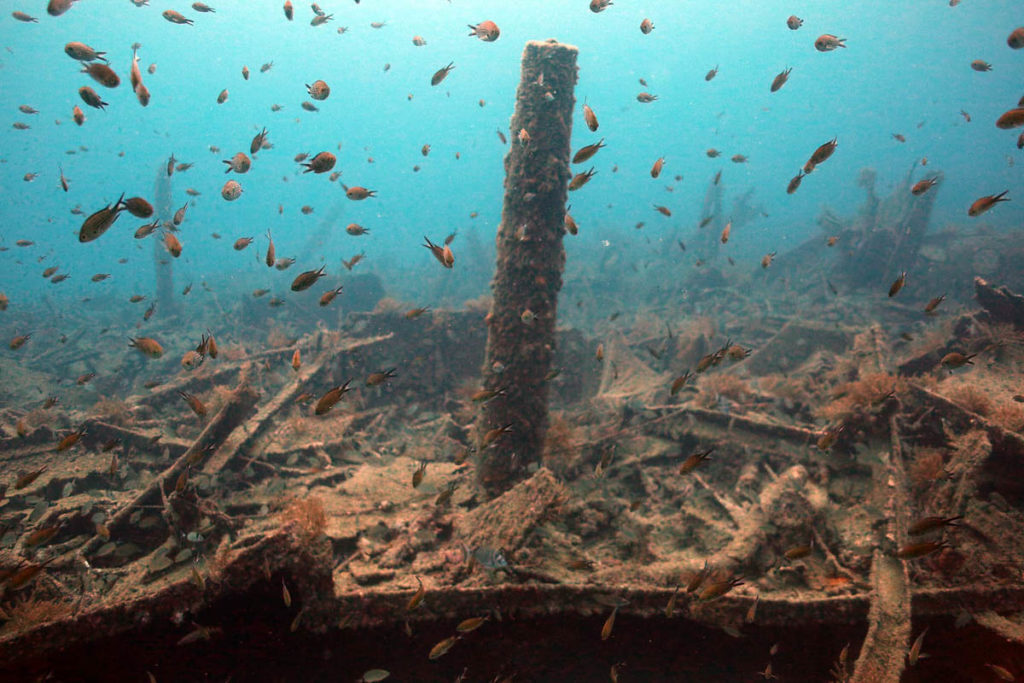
x=70 y=440
x=912 y=551
x=587 y=152
x=656 y=168
x=486 y=31
x=328 y=400
x=983 y=204
x=590 y=118
x=581 y=179
x=922 y=186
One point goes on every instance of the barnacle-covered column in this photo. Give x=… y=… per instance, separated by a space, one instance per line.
x=521 y=324
x=161 y=263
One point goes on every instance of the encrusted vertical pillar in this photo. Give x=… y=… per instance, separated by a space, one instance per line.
x=521 y=324
x=161 y=260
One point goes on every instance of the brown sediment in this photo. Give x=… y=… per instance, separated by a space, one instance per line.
x=528 y=276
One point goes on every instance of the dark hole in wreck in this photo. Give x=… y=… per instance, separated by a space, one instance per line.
x=257 y=645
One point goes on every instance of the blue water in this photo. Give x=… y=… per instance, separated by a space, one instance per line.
x=906 y=70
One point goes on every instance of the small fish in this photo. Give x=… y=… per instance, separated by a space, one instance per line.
x=983 y=204
x=717 y=589
x=331 y=398
x=590 y=118
x=19 y=341
x=828 y=438
x=922 y=186
x=197 y=406
x=486 y=31
x=585 y=153
x=176 y=17
x=199 y=633
x=441 y=649
x=780 y=80
x=927 y=524
x=417 y=599
x=259 y=140
x=828 y=42
x=24 y=576
x=443 y=254
x=70 y=440
x=285 y=595
x=100 y=221
x=306 y=279
x=955 y=359
x=1002 y=673
x=711 y=74
x=695 y=460
x=147 y=346
x=102 y=74
x=485 y=395
x=913 y=551
x=609 y=624
x=418 y=474
x=445 y=496
x=933 y=304
x=357 y=193
x=197 y=579
x=25 y=480
x=799 y=552
x=821 y=154
x=794 y=183
x=441 y=73
x=915 y=650
x=897 y=285
x=378 y=378
x=752 y=612
x=656 y=168
x=679 y=383
x=327 y=297
x=698 y=578
x=671 y=605
x=581 y=179
x=492 y=435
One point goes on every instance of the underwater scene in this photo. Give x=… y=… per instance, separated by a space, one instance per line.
x=478 y=341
